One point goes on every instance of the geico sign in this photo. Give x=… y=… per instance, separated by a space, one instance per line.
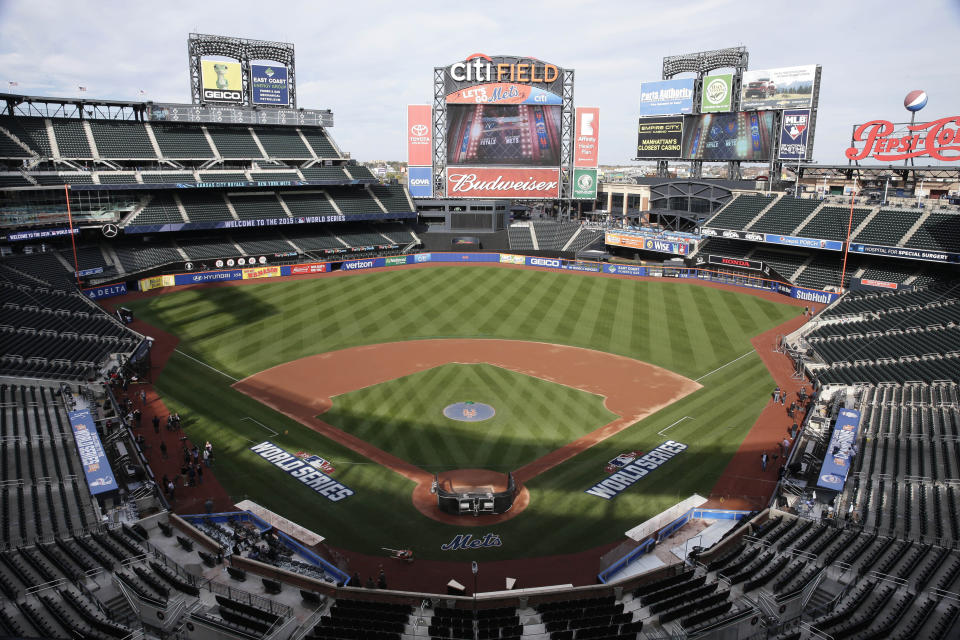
x=215 y=94
x=480 y=68
x=543 y=262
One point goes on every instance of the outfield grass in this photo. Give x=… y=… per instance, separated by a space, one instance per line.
x=405 y=417
x=680 y=326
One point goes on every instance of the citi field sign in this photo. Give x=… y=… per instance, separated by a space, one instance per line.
x=480 y=68
x=883 y=141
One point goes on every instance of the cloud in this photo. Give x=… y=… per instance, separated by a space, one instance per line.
x=368 y=61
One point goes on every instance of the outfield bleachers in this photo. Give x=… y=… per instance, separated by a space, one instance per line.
x=785 y=216
x=181 y=141
x=831 y=223
x=283 y=143
x=234 y=142
x=888 y=227
x=739 y=212
x=121 y=140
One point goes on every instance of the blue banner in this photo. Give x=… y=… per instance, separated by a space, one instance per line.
x=836 y=462
x=812 y=295
x=420 y=182
x=90 y=272
x=303 y=471
x=42 y=233
x=625 y=269
x=928 y=255
x=269 y=84
x=262 y=222
x=552 y=263
x=623 y=479
x=207 y=276
x=573 y=266
x=222 y=184
x=96 y=468
x=794 y=130
x=806 y=243
x=462 y=257
x=368 y=263
x=666 y=97
x=106 y=291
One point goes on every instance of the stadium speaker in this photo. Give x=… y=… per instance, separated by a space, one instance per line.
x=237 y=574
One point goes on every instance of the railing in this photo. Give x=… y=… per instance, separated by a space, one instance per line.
x=811 y=588
x=249 y=598
x=813 y=632
x=307 y=625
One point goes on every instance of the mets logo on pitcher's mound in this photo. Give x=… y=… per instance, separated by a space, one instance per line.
x=469 y=413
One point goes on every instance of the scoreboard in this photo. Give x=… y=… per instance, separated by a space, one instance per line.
x=238 y=115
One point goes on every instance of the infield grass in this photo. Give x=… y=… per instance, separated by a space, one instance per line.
x=683 y=327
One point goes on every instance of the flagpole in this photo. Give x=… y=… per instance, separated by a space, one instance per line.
x=846 y=246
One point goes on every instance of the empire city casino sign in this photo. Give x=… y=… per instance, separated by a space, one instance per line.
x=883 y=142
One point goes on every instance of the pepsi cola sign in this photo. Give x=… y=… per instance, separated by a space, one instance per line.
x=882 y=141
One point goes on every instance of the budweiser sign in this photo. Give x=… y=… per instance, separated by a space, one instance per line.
x=939 y=139
x=483 y=182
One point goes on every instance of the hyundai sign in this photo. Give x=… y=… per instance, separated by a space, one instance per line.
x=420 y=182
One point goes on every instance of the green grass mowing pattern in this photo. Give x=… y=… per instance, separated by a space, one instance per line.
x=242 y=330
x=679 y=326
x=405 y=417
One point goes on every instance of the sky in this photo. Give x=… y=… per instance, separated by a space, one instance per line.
x=366 y=61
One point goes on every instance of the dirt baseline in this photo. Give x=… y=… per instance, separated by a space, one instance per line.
x=302 y=389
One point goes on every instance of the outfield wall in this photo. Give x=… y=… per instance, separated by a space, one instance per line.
x=814 y=296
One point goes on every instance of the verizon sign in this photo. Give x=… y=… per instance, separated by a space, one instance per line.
x=487 y=182
x=882 y=141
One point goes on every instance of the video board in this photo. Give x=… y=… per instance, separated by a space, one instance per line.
x=742 y=135
x=503 y=135
x=504 y=132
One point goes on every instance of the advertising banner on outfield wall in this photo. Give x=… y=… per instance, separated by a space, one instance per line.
x=794 y=131
x=420 y=182
x=666 y=97
x=584 y=184
x=463 y=257
x=552 y=263
x=222 y=81
x=782 y=88
x=813 y=295
x=509 y=258
x=269 y=85
x=624 y=270
x=261 y=272
x=836 y=461
x=107 y=291
x=716 y=95
x=660 y=137
x=586 y=142
x=515 y=183
x=207 y=276
x=304 y=269
x=740 y=263
x=419 y=135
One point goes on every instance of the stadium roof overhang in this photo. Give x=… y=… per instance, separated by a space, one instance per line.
x=874 y=172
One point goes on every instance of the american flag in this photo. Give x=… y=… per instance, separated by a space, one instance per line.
x=82 y=88
x=13 y=83
x=141 y=92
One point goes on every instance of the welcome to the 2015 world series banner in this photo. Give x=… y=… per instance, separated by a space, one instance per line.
x=302 y=471
x=623 y=479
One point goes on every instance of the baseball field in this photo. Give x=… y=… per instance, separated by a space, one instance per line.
x=314 y=366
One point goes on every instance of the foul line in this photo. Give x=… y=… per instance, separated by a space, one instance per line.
x=724 y=365
x=660 y=433
x=261 y=424
x=208 y=366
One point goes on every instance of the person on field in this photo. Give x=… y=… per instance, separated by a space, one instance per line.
x=763 y=461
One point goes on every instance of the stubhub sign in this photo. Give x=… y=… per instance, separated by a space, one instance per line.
x=420 y=182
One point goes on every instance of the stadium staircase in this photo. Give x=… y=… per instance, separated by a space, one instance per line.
x=533 y=237
x=796 y=274
x=17 y=141
x=183 y=210
x=153 y=139
x=922 y=220
x=813 y=214
x=566 y=247
x=763 y=211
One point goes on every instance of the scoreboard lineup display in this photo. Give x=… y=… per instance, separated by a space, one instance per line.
x=511 y=135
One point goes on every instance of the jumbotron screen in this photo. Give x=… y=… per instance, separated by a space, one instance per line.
x=741 y=135
x=503 y=135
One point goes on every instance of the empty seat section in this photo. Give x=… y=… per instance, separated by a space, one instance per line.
x=888 y=227
x=831 y=223
x=318 y=140
x=234 y=142
x=283 y=143
x=739 y=212
x=252 y=207
x=393 y=197
x=785 y=215
x=181 y=142
x=354 y=201
x=121 y=139
x=303 y=204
